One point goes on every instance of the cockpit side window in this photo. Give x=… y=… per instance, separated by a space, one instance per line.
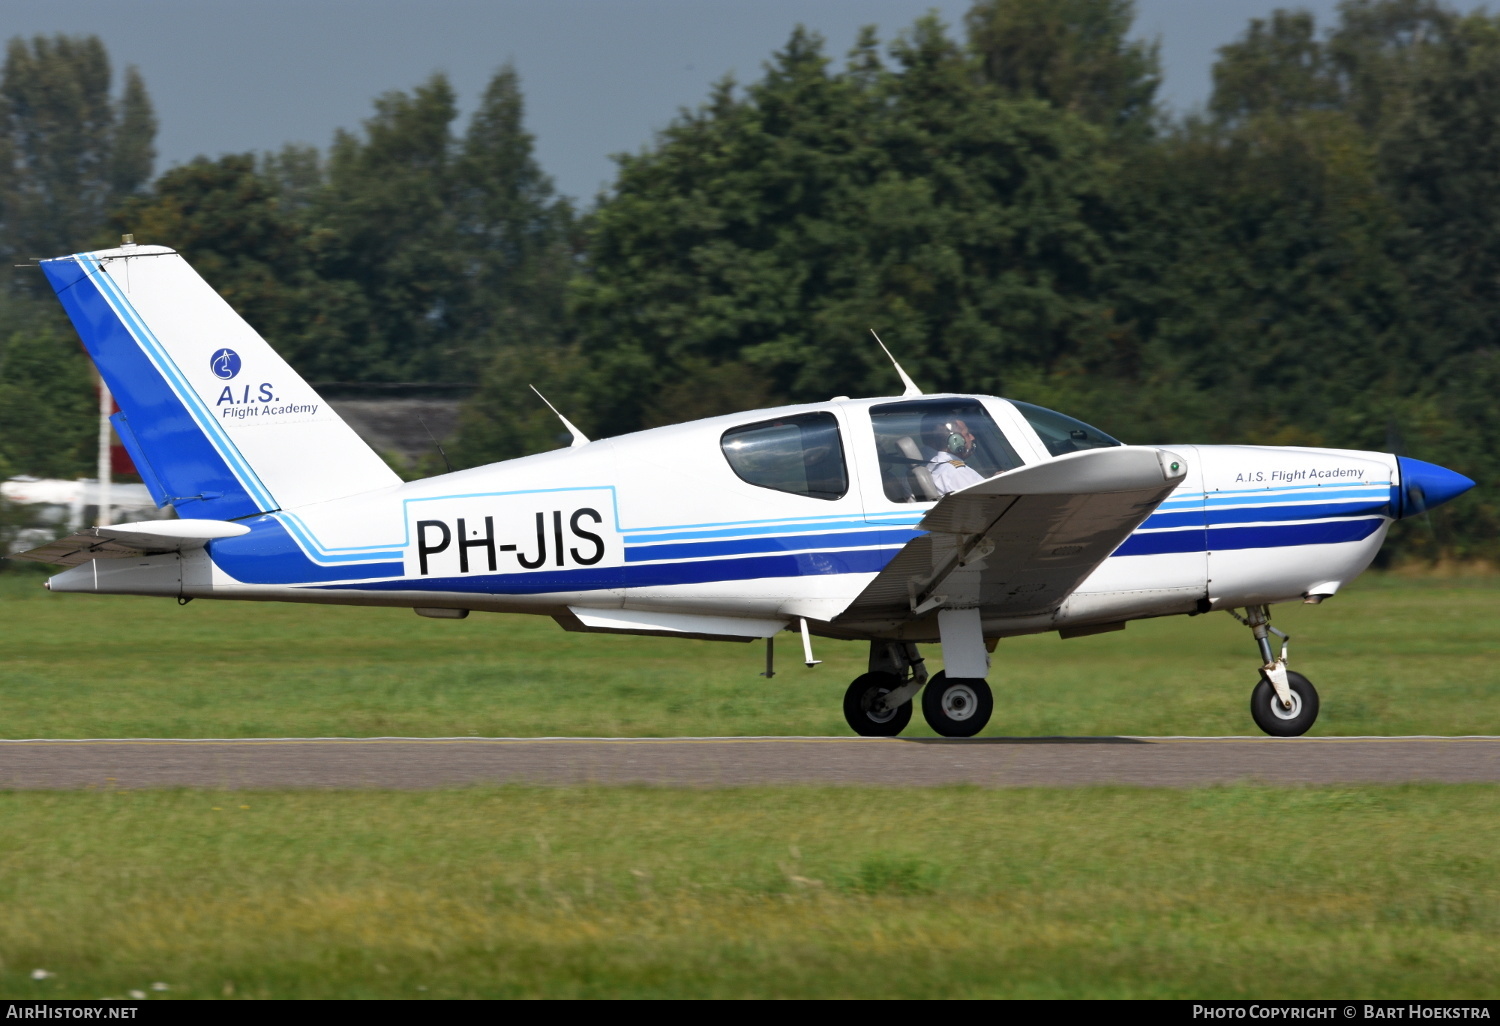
x=802 y=454
x=1061 y=434
x=906 y=445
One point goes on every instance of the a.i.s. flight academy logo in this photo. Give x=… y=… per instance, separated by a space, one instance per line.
x=225 y=363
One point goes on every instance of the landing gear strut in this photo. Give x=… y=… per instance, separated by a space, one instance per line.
x=878 y=703
x=1284 y=703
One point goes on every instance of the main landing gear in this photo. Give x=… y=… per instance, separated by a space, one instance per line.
x=1284 y=703
x=957 y=707
x=879 y=703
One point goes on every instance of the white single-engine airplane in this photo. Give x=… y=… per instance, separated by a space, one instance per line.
x=960 y=519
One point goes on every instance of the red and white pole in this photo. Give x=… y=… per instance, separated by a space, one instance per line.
x=106 y=470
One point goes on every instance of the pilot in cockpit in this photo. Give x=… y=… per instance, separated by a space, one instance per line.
x=953 y=442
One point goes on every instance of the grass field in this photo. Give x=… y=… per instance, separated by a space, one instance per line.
x=1389 y=656
x=789 y=891
x=793 y=892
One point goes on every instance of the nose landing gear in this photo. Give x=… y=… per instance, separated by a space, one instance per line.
x=1280 y=719
x=1284 y=703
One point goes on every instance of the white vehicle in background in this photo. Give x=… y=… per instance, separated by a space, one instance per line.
x=830 y=519
x=58 y=504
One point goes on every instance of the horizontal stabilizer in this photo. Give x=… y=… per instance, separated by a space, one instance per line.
x=122 y=541
x=1019 y=543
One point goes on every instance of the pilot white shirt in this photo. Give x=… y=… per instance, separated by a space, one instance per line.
x=949 y=473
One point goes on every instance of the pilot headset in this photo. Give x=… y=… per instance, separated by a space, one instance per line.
x=957 y=444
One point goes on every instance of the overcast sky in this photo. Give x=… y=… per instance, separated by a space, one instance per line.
x=600 y=76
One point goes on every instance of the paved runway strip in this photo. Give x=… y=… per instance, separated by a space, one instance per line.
x=728 y=762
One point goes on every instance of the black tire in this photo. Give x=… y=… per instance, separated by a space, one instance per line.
x=1269 y=715
x=959 y=707
x=862 y=694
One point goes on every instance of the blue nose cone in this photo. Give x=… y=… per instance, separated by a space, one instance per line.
x=1425 y=486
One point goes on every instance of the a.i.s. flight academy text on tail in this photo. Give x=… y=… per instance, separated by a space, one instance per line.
x=899 y=521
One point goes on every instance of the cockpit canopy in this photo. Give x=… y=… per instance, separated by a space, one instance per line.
x=805 y=453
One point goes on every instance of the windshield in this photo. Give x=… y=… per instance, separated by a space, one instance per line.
x=1062 y=435
x=908 y=435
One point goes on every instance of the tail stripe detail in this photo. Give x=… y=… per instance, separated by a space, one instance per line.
x=146 y=397
x=169 y=371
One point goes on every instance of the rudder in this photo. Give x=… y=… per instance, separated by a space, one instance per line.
x=219 y=425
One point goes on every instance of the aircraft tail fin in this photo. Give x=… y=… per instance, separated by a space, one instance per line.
x=218 y=424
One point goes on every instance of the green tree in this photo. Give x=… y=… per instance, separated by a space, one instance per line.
x=1316 y=264
x=230 y=220
x=1441 y=163
x=71 y=151
x=768 y=233
x=456 y=248
x=48 y=405
x=134 y=140
x=1378 y=45
x=389 y=225
x=1278 y=67
x=521 y=247
x=515 y=233
x=1071 y=53
x=1257 y=278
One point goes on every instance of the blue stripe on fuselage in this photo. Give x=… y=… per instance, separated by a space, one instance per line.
x=1266 y=514
x=270 y=555
x=1276 y=536
x=639 y=536
x=782 y=543
x=802 y=564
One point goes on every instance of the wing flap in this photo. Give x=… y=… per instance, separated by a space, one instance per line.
x=122 y=541
x=660 y=624
x=1019 y=543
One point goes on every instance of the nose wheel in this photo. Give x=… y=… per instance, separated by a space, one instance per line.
x=957 y=706
x=1284 y=703
x=1284 y=718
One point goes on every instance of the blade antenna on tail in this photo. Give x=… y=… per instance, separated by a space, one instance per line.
x=579 y=438
x=910 y=385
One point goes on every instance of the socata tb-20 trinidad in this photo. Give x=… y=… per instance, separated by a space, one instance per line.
x=960 y=519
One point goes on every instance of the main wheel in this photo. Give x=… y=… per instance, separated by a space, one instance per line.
x=1277 y=720
x=957 y=707
x=859 y=705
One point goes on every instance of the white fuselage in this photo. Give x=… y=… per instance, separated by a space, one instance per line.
x=658 y=523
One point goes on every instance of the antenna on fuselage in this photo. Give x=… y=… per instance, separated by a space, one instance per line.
x=910 y=385
x=579 y=438
x=435 y=442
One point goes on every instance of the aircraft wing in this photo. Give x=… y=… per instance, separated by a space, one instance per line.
x=1019 y=543
x=122 y=541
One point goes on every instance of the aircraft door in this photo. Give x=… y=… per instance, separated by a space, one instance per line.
x=915 y=451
